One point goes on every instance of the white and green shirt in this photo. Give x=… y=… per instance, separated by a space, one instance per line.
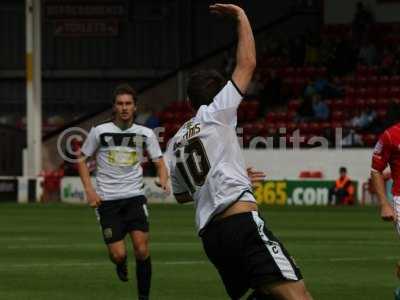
x=119 y=154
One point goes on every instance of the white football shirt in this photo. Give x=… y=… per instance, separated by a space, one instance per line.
x=119 y=154
x=205 y=158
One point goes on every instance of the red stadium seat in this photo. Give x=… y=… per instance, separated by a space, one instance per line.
x=349 y=81
x=359 y=103
x=361 y=82
x=325 y=125
x=372 y=71
x=241 y=115
x=261 y=128
x=271 y=117
x=381 y=114
x=250 y=128
x=383 y=103
x=394 y=92
x=294 y=104
x=384 y=81
x=320 y=72
x=362 y=71
x=291 y=126
x=316 y=128
x=281 y=127
x=360 y=93
x=271 y=129
x=337 y=124
x=304 y=128
x=291 y=115
x=282 y=116
x=395 y=80
x=371 y=92
x=373 y=81
x=350 y=92
x=329 y=103
x=253 y=105
x=371 y=102
x=383 y=92
x=252 y=115
x=337 y=104
x=167 y=116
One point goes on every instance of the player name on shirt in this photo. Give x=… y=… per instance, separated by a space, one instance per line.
x=192 y=130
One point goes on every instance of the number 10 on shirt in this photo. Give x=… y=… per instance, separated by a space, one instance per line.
x=193 y=163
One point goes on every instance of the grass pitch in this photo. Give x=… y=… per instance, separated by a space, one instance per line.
x=56 y=252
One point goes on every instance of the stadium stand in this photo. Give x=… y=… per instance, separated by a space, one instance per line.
x=363 y=92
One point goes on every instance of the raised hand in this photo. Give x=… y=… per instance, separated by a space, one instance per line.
x=226 y=9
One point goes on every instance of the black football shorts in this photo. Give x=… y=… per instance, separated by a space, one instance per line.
x=119 y=217
x=247 y=254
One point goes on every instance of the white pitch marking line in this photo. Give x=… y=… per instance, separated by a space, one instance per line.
x=90 y=245
x=98 y=264
x=183 y=262
x=164 y=244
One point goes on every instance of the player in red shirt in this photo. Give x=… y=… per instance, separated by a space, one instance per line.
x=387 y=152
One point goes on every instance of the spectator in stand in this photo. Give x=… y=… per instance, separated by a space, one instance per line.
x=320 y=108
x=322 y=87
x=327 y=89
x=152 y=121
x=364 y=120
x=343 y=190
x=148 y=117
x=143 y=115
x=351 y=138
x=362 y=21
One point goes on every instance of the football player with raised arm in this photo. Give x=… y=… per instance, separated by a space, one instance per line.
x=207 y=167
x=118 y=196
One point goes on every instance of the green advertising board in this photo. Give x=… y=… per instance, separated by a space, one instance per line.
x=295 y=192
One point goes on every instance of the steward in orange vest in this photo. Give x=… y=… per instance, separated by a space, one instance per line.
x=343 y=191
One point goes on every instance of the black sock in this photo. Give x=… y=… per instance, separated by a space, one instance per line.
x=143 y=276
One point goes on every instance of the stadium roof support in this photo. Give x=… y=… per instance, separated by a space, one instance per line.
x=33 y=88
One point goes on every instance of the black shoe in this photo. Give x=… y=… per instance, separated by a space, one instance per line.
x=122 y=271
